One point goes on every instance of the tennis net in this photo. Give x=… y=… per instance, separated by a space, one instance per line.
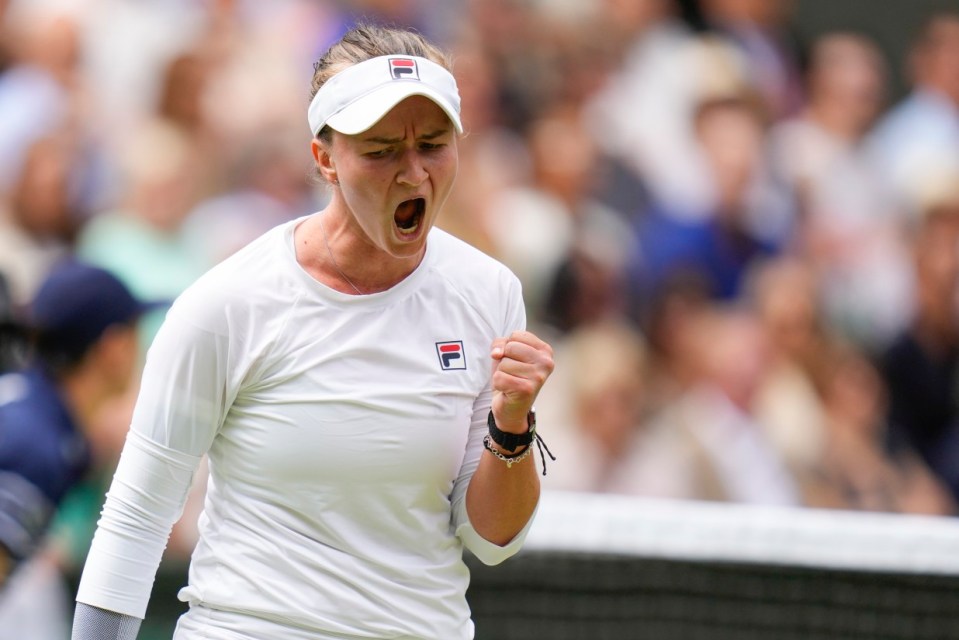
x=598 y=566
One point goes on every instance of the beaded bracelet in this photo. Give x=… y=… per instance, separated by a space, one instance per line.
x=513 y=458
x=509 y=459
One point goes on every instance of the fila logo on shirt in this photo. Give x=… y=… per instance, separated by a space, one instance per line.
x=404 y=69
x=451 y=355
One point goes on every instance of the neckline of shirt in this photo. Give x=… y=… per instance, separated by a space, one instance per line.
x=397 y=291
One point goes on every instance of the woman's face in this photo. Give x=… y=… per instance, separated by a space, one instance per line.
x=395 y=177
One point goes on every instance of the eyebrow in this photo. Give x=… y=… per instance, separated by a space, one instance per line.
x=426 y=136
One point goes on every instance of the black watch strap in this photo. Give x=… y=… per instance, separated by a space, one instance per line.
x=511 y=441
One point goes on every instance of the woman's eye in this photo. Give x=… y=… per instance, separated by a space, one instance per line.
x=379 y=153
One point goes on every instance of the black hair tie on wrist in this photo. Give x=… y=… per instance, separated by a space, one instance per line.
x=511 y=441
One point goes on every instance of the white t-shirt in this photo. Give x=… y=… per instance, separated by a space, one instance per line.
x=342 y=432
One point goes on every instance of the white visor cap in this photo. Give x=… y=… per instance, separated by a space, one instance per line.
x=358 y=97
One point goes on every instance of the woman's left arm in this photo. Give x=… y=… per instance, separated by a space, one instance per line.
x=503 y=494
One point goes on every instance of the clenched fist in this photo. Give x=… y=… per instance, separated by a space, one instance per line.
x=521 y=364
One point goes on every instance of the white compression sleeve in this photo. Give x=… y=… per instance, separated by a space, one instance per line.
x=93 y=623
x=145 y=499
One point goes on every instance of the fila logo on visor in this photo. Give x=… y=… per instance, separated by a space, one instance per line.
x=404 y=69
x=451 y=355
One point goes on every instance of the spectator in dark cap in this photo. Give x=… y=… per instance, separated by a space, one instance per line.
x=82 y=322
x=11 y=334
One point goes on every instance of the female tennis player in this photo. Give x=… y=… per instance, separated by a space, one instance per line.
x=362 y=383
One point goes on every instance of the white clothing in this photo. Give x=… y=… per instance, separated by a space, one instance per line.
x=340 y=449
x=535 y=232
x=705 y=448
x=644 y=114
x=854 y=227
x=26 y=260
x=917 y=141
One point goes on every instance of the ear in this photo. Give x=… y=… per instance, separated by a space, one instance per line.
x=115 y=356
x=322 y=155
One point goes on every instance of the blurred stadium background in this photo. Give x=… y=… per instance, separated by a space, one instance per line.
x=737 y=221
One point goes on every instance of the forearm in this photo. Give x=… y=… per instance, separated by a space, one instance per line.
x=501 y=499
x=145 y=499
x=504 y=490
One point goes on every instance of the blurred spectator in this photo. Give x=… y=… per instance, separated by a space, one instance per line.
x=716 y=245
x=845 y=223
x=143 y=242
x=759 y=31
x=181 y=94
x=626 y=23
x=856 y=471
x=182 y=106
x=267 y=186
x=515 y=44
x=492 y=156
x=38 y=221
x=708 y=444
x=595 y=409
x=250 y=59
x=921 y=134
x=642 y=116
x=921 y=368
x=587 y=288
x=41 y=90
x=553 y=221
x=84 y=322
x=669 y=323
x=784 y=293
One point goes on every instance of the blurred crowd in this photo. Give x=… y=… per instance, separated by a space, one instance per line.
x=744 y=249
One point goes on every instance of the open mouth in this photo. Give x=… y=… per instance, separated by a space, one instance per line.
x=409 y=215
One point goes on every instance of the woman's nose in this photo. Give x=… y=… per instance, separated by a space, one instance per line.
x=413 y=170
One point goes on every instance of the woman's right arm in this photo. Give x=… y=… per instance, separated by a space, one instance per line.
x=183 y=398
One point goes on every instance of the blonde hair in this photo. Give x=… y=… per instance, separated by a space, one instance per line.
x=367 y=41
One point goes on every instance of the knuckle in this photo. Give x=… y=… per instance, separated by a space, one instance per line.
x=550 y=364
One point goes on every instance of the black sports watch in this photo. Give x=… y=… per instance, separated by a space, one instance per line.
x=510 y=441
